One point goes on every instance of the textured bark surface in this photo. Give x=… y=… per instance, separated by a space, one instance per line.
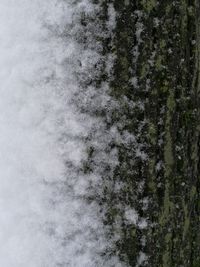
x=154 y=85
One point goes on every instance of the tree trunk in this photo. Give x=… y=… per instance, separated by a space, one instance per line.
x=151 y=198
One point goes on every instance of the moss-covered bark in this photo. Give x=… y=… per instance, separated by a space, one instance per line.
x=157 y=68
x=155 y=86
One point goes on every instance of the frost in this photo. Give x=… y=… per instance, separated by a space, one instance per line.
x=111 y=24
x=45 y=219
x=142 y=224
x=134 y=82
x=141 y=154
x=131 y=215
x=142 y=258
x=159 y=165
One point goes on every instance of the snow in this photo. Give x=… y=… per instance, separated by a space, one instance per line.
x=132 y=216
x=142 y=258
x=44 y=220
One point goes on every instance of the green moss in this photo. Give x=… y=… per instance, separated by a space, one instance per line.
x=164 y=89
x=168 y=154
x=193 y=192
x=158 y=63
x=168 y=237
x=162 y=44
x=171 y=102
x=166 y=207
x=152 y=185
x=186 y=220
x=167 y=202
x=168 y=150
x=144 y=70
x=186 y=226
x=168 y=8
x=149 y=5
x=167 y=255
x=196 y=263
x=184 y=15
x=133 y=232
x=194 y=155
x=127 y=2
x=152 y=133
x=113 y=212
x=191 y=11
x=166 y=259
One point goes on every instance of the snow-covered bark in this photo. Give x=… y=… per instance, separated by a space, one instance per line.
x=156 y=85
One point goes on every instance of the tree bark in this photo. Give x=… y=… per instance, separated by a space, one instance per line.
x=155 y=85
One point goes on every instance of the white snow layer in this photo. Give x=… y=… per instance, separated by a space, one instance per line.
x=44 y=221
